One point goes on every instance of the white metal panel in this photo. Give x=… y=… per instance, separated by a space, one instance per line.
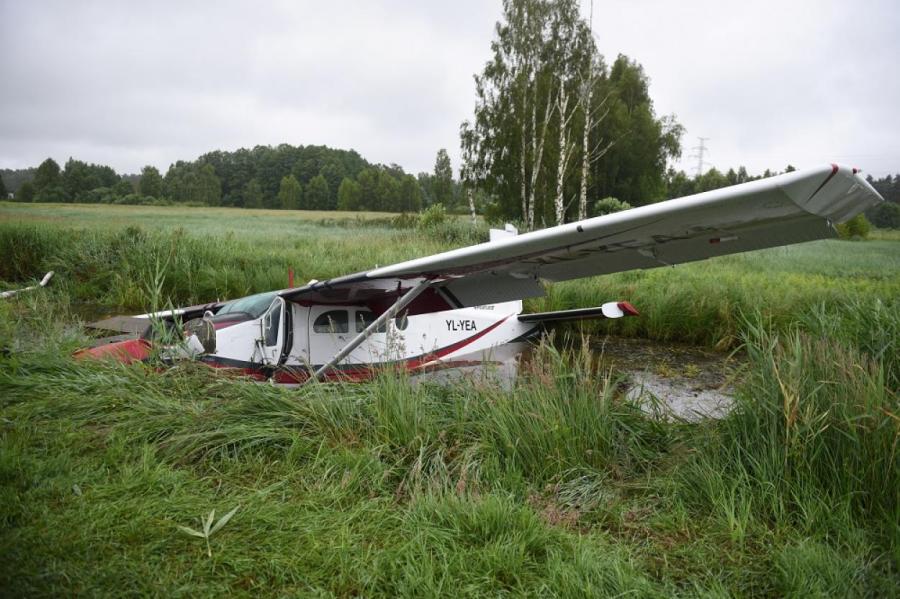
x=826 y=194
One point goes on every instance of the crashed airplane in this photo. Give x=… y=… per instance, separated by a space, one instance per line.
x=462 y=309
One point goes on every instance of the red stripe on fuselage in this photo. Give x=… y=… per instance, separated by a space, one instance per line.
x=357 y=372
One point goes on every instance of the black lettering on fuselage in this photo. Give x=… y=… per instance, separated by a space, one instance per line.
x=461 y=325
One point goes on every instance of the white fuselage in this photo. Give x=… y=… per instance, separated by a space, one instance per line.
x=291 y=340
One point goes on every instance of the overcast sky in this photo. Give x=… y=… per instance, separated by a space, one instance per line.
x=135 y=83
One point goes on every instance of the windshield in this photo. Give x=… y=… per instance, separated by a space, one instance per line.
x=254 y=305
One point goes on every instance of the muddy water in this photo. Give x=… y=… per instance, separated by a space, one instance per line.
x=671 y=380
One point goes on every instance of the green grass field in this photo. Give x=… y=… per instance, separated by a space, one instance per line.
x=559 y=487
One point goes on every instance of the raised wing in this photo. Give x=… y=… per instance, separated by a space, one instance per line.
x=791 y=208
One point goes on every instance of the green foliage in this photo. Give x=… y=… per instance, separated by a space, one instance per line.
x=209 y=529
x=410 y=195
x=436 y=224
x=193 y=183
x=51 y=193
x=542 y=52
x=79 y=178
x=349 y=195
x=442 y=182
x=253 y=195
x=560 y=485
x=47 y=176
x=317 y=195
x=433 y=216
x=290 y=193
x=608 y=206
x=885 y=215
x=855 y=228
x=151 y=182
x=3 y=190
x=811 y=443
x=25 y=192
x=244 y=178
x=14 y=178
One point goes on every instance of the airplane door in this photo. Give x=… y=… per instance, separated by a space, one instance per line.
x=331 y=328
x=329 y=332
x=274 y=331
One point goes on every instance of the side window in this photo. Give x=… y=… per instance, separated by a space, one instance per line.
x=272 y=322
x=335 y=321
x=364 y=318
x=401 y=321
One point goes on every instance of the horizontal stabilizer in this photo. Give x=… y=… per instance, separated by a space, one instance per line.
x=607 y=310
x=122 y=324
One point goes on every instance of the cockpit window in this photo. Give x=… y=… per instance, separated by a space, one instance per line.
x=334 y=321
x=253 y=305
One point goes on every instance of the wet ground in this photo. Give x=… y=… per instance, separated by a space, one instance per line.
x=672 y=380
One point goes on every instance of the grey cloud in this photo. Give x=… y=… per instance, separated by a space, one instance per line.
x=134 y=83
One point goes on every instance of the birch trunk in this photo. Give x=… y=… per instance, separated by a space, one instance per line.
x=585 y=157
x=522 y=171
x=529 y=218
x=471 y=196
x=559 y=201
x=537 y=146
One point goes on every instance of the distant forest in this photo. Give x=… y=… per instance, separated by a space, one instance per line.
x=282 y=177
x=321 y=178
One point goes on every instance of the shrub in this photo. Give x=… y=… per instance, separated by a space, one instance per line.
x=608 y=206
x=432 y=217
x=855 y=228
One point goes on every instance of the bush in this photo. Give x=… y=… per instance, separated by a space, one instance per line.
x=432 y=217
x=608 y=206
x=855 y=228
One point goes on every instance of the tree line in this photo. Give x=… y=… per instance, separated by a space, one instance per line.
x=281 y=177
x=230 y=179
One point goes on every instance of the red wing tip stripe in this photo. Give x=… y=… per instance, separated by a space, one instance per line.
x=628 y=309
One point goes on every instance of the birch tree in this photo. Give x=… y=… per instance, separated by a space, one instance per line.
x=506 y=140
x=537 y=116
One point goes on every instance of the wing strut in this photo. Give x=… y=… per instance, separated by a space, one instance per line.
x=385 y=316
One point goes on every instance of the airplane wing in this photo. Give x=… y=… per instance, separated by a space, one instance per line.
x=790 y=208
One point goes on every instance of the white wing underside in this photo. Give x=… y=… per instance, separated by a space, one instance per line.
x=791 y=208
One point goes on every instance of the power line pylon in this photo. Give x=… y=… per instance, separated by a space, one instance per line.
x=700 y=152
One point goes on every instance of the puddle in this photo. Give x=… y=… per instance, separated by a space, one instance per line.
x=675 y=381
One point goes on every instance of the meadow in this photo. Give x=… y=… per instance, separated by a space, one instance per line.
x=560 y=486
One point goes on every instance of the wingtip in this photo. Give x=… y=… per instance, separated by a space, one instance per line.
x=628 y=309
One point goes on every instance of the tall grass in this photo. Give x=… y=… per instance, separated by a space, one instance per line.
x=559 y=486
x=562 y=419
x=703 y=303
x=812 y=443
